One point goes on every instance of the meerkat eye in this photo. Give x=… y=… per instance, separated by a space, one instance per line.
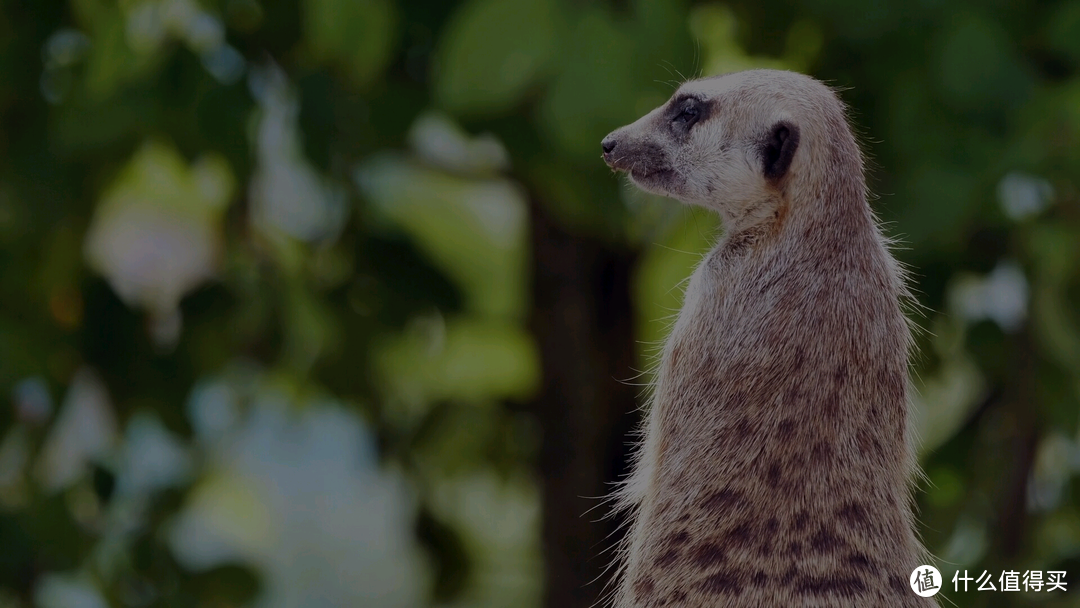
x=688 y=116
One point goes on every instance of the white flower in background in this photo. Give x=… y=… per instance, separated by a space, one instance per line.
x=299 y=495
x=149 y=459
x=152 y=458
x=156 y=233
x=65 y=47
x=1001 y=296
x=498 y=518
x=1051 y=472
x=444 y=144
x=84 y=430
x=968 y=543
x=1023 y=195
x=151 y=23
x=287 y=194
x=67 y=591
x=32 y=401
x=213 y=408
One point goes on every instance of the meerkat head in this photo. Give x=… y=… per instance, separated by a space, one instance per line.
x=731 y=143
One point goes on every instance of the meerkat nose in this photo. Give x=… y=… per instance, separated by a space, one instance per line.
x=608 y=144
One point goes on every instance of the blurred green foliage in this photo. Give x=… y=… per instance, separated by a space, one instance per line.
x=268 y=332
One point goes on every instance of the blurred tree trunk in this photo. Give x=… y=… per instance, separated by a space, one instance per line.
x=1021 y=446
x=583 y=323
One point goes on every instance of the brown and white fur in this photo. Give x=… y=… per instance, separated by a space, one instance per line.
x=775 y=465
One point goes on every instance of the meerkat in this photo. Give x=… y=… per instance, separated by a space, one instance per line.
x=775 y=464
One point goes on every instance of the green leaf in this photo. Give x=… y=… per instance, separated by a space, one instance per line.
x=358 y=35
x=978 y=67
x=112 y=62
x=492 y=52
x=472 y=229
x=464 y=359
x=940 y=201
x=714 y=26
x=1063 y=32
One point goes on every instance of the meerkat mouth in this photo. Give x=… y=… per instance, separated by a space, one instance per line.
x=635 y=168
x=653 y=175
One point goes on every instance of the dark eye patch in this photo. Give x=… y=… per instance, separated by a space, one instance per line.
x=687 y=110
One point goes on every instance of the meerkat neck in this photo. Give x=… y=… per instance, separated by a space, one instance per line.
x=809 y=210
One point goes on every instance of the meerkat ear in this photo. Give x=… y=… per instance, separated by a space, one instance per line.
x=778 y=149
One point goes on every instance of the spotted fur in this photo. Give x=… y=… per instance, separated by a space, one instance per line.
x=776 y=458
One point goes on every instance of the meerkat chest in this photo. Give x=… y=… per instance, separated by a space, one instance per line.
x=690 y=334
x=702 y=321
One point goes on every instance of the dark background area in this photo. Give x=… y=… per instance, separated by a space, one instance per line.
x=333 y=302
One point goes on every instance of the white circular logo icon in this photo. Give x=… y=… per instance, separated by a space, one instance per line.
x=925 y=581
